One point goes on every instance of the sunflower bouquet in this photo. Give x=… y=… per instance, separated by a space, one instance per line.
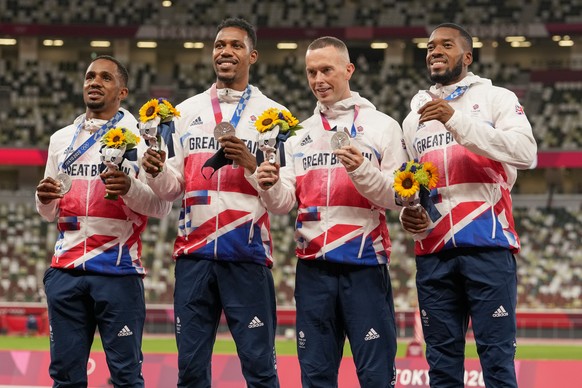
x=153 y=113
x=119 y=137
x=411 y=178
x=273 y=117
x=275 y=126
x=158 y=110
x=115 y=143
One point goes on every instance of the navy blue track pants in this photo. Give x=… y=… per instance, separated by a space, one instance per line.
x=78 y=303
x=458 y=284
x=246 y=294
x=338 y=300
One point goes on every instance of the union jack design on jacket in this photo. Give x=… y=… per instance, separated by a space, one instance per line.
x=477 y=153
x=97 y=234
x=221 y=218
x=341 y=216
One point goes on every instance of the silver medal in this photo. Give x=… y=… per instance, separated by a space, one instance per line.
x=419 y=100
x=339 y=139
x=65 y=182
x=223 y=129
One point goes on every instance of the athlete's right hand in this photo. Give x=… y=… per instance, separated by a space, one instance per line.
x=437 y=109
x=268 y=174
x=48 y=190
x=153 y=161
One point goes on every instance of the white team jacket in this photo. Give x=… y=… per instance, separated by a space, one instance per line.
x=477 y=153
x=341 y=216
x=97 y=234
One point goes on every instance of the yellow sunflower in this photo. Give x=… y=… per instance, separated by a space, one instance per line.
x=149 y=110
x=405 y=185
x=267 y=120
x=289 y=118
x=114 y=138
x=433 y=174
x=171 y=109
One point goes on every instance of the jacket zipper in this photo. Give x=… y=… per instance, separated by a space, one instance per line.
x=451 y=222
x=86 y=222
x=327 y=193
x=493 y=218
x=217 y=214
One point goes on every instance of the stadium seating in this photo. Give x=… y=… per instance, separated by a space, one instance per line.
x=294 y=13
x=550 y=263
x=45 y=96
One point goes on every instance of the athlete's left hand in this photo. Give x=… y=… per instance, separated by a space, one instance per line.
x=268 y=174
x=236 y=150
x=116 y=182
x=350 y=156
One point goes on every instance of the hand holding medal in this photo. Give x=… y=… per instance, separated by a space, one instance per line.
x=340 y=139
x=49 y=189
x=350 y=156
x=91 y=124
x=65 y=182
x=420 y=99
x=225 y=128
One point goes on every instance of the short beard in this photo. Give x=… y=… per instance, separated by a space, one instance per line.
x=95 y=105
x=449 y=76
x=226 y=80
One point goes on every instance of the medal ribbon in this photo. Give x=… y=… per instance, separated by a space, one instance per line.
x=69 y=149
x=89 y=142
x=240 y=107
x=458 y=92
x=328 y=127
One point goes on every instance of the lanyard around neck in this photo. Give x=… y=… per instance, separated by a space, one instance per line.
x=458 y=92
x=76 y=154
x=240 y=107
x=327 y=126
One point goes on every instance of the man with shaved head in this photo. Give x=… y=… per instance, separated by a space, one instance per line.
x=339 y=172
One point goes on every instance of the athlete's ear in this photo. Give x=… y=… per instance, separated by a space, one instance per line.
x=254 y=56
x=350 y=68
x=123 y=92
x=467 y=58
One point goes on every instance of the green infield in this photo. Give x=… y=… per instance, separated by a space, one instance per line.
x=528 y=351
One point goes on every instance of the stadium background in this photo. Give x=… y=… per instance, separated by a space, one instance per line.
x=533 y=48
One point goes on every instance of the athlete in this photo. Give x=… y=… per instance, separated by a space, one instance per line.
x=478 y=136
x=223 y=248
x=95 y=277
x=339 y=172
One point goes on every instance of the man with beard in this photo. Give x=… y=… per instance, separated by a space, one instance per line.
x=223 y=249
x=95 y=278
x=477 y=135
